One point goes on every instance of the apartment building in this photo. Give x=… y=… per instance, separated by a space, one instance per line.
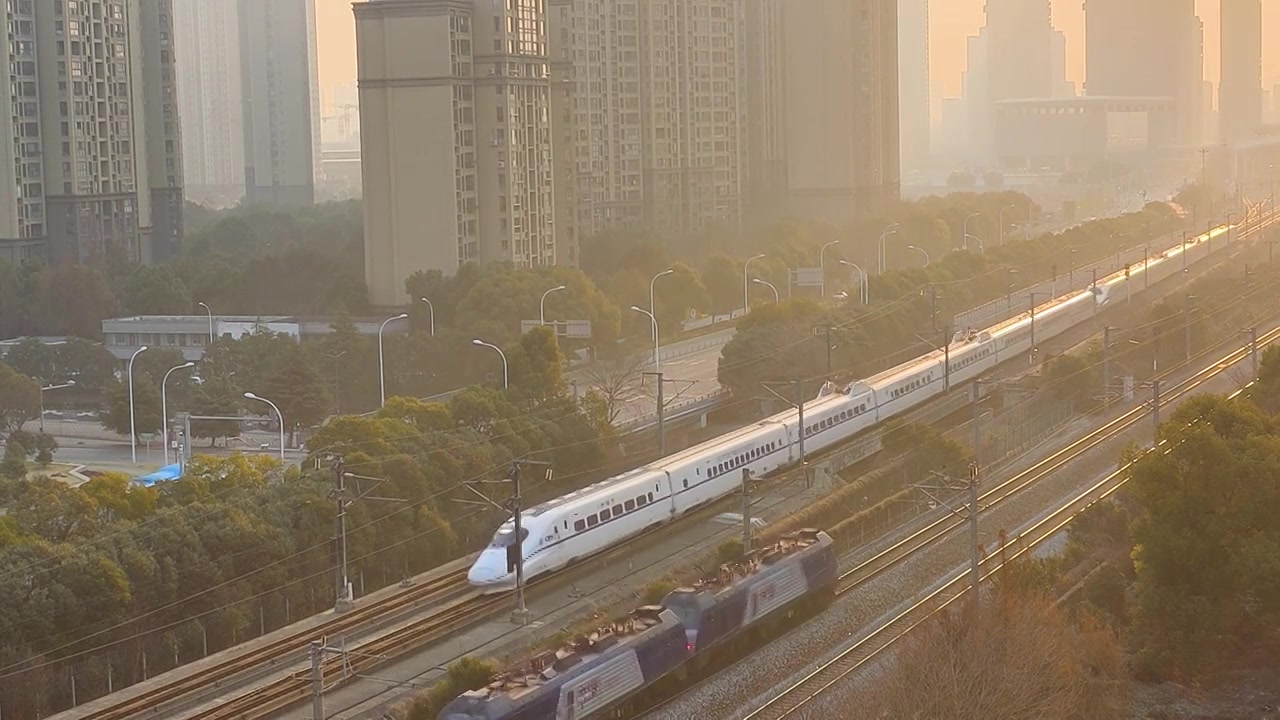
x=91 y=140
x=824 y=107
x=280 y=100
x=209 y=98
x=1240 y=92
x=456 y=137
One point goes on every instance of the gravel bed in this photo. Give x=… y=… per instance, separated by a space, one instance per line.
x=741 y=688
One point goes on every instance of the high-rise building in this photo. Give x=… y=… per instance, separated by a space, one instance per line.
x=913 y=81
x=209 y=99
x=91 y=142
x=280 y=89
x=1121 y=39
x=693 y=111
x=1020 y=45
x=456 y=144
x=824 y=89
x=1062 y=87
x=1240 y=90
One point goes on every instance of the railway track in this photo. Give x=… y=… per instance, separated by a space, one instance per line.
x=159 y=702
x=797 y=697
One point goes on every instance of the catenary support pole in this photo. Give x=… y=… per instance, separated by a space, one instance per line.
x=746 y=511
x=316 y=654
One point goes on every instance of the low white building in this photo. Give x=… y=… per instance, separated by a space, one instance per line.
x=192 y=333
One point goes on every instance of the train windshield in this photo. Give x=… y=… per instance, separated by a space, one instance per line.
x=506 y=536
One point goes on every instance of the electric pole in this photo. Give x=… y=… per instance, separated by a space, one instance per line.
x=662 y=428
x=827 y=329
x=316 y=653
x=1186 y=321
x=800 y=420
x=946 y=359
x=746 y=510
x=1253 y=349
x=342 y=592
x=1106 y=367
x=1155 y=409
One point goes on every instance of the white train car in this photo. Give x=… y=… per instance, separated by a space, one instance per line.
x=597 y=517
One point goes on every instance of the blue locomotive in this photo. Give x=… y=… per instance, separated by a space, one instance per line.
x=621 y=666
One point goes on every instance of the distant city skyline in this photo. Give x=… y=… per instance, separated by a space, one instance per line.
x=950 y=22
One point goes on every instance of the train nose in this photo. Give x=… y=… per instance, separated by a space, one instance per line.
x=488 y=571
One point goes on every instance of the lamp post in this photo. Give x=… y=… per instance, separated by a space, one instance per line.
x=653 y=321
x=822 y=264
x=66 y=384
x=653 y=310
x=431 y=308
x=542 y=304
x=164 y=408
x=279 y=415
x=133 y=433
x=1000 y=241
x=210 y=312
x=746 y=286
x=382 y=378
x=864 y=293
x=966 y=237
x=982 y=249
x=890 y=229
x=766 y=283
x=481 y=343
x=922 y=251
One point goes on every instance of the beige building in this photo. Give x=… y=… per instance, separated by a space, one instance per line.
x=90 y=135
x=456 y=137
x=824 y=107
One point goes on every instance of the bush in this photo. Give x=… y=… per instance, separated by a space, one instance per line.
x=728 y=551
x=466 y=674
x=14 y=464
x=655 y=591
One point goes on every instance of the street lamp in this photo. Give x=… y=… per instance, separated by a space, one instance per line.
x=982 y=249
x=133 y=433
x=891 y=229
x=922 y=251
x=432 y=308
x=746 y=288
x=66 y=384
x=279 y=414
x=966 y=237
x=1000 y=241
x=164 y=408
x=382 y=379
x=822 y=264
x=482 y=343
x=542 y=304
x=210 y=311
x=864 y=293
x=653 y=320
x=769 y=285
x=653 y=308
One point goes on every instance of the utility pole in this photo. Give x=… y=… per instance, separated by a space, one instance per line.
x=1155 y=409
x=1253 y=349
x=521 y=613
x=746 y=510
x=827 y=329
x=933 y=307
x=946 y=359
x=800 y=409
x=1106 y=367
x=316 y=653
x=1186 y=321
x=975 y=471
x=662 y=428
x=342 y=595
x=1034 y=349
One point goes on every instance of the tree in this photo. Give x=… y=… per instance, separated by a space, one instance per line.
x=722 y=278
x=215 y=397
x=297 y=388
x=154 y=290
x=14 y=465
x=74 y=300
x=114 y=413
x=45 y=447
x=537 y=365
x=19 y=400
x=1267 y=391
x=616 y=383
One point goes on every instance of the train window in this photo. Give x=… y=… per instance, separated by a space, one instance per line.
x=640 y=501
x=604 y=515
x=629 y=505
x=617 y=510
x=579 y=525
x=592 y=521
x=650 y=497
x=686 y=482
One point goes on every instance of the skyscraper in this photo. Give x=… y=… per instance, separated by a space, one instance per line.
x=280 y=101
x=456 y=145
x=1148 y=48
x=913 y=81
x=825 y=116
x=208 y=36
x=1020 y=49
x=89 y=137
x=1240 y=91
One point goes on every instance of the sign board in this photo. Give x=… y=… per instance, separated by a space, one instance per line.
x=806 y=277
x=571 y=329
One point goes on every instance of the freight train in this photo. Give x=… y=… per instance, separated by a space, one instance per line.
x=566 y=529
x=627 y=664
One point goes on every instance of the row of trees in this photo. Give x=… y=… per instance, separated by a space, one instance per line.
x=779 y=342
x=109 y=578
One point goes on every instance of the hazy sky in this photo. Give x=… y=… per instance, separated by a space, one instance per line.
x=951 y=21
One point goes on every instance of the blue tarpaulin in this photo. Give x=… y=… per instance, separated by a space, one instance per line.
x=168 y=472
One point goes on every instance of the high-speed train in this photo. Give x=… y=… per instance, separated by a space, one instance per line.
x=587 y=521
